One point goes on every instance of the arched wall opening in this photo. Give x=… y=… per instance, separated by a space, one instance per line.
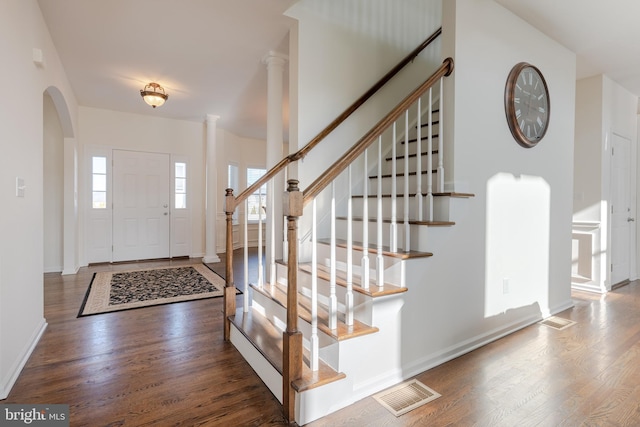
x=60 y=185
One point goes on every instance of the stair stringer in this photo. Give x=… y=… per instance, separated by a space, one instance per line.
x=367 y=362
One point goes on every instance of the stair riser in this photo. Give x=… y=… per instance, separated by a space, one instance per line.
x=392 y=266
x=418 y=234
x=387 y=184
x=277 y=315
x=441 y=209
x=361 y=303
x=387 y=166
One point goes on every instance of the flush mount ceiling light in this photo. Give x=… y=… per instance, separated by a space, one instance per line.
x=154 y=95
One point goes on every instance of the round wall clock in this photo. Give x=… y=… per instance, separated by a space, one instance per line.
x=526 y=103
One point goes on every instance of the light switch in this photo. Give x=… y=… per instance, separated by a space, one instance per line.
x=20 y=187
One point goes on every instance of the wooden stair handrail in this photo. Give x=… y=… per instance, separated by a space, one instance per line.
x=336 y=122
x=341 y=164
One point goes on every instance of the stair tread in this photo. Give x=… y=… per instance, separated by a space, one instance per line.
x=422 y=138
x=400 y=157
x=385 y=249
x=255 y=327
x=374 y=290
x=440 y=194
x=401 y=174
x=401 y=221
x=277 y=293
x=435 y=122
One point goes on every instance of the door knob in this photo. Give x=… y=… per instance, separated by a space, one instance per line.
x=166 y=213
x=630 y=219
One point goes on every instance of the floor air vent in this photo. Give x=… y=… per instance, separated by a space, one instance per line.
x=557 y=322
x=406 y=397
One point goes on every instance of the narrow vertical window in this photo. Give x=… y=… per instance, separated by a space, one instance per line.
x=99 y=182
x=258 y=199
x=180 y=185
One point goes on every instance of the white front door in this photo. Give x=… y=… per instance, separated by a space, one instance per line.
x=141 y=197
x=621 y=213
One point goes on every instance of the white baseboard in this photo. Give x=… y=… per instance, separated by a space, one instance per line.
x=589 y=288
x=70 y=272
x=14 y=372
x=56 y=269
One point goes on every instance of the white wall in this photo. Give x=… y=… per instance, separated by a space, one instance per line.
x=343 y=48
x=21 y=139
x=518 y=226
x=53 y=191
x=116 y=130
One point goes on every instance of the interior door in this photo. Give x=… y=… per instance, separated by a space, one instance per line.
x=621 y=213
x=141 y=195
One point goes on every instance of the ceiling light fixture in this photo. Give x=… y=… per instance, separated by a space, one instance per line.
x=154 y=95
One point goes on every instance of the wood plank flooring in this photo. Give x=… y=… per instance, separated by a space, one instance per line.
x=169 y=366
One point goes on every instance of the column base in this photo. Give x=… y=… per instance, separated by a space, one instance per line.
x=208 y=259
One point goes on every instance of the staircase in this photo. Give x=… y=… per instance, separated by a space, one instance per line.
x=322 y=331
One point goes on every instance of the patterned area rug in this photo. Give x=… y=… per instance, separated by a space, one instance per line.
x=123 y=290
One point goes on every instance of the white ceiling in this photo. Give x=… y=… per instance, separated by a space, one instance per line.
x=207 y=53
x=605 y=34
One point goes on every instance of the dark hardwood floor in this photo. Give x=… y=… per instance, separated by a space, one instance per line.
x=168 y=365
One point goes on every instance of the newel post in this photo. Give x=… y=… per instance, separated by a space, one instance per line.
x=229 y=287
x=292 y=337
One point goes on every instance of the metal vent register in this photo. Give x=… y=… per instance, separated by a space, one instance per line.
x=406 y=397
x=557 y=322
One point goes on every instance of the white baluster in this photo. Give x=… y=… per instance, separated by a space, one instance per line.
x=407 y=231
x=393 y=238
x=272 y=226
x=440 y=186
x=333 y=300
x=245 y=296
x=430 y=160
x=260 y=239
x=314 y=341
x=419 y=161
x=379 y=257
x=349 y=296
x=364 y=278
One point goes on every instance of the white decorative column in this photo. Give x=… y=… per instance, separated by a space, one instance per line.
x=70 y=208
x=275 y=63
x=211 y=191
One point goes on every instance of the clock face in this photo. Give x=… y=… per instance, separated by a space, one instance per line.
x=527 y=104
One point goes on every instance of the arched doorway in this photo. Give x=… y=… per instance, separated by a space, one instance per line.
x=60 y=185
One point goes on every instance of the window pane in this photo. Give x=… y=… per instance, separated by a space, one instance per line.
x=99 y=183
x=253 y=209
x=181 y=170
x=181 y=185
x=181 y=201
x=232 y=177
x=99 y=200
x=99 y=165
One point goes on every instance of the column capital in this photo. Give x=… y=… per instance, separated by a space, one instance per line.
x=274 y=58
x=212 y=118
